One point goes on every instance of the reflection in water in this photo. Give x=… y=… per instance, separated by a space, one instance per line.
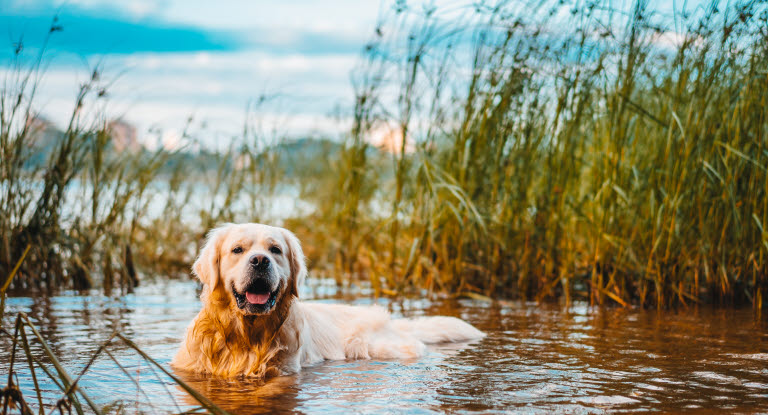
x=244 y=396
x=535 y=359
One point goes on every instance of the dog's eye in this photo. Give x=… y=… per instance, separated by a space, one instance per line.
x=275 y=250
x=237 y=250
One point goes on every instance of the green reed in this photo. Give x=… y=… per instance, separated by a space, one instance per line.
x=533 y=150
x=572 y=149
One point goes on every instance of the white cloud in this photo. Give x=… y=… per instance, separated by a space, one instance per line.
x=162 y=91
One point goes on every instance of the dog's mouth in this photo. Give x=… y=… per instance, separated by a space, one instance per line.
x=257 y=298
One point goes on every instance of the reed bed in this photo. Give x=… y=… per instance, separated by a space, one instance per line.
x=537 y=150
x=88 y=213
x=556 y=149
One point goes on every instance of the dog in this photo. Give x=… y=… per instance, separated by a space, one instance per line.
x=253 y=323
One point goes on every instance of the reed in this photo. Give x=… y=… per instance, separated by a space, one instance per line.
x=572 y=149
x=94 y=214
x=73 y=397
x=66 y=194
x=536 y=150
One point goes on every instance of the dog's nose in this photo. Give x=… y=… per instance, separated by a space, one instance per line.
x=259 y=261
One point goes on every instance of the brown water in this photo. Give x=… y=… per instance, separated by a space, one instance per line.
x=536 y=359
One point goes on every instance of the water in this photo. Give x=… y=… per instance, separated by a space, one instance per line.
x=536 y=359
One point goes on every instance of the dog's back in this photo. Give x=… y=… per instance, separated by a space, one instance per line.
x=438 y=329
x=335 y=331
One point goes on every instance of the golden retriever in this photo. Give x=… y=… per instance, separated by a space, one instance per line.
x=252 y=322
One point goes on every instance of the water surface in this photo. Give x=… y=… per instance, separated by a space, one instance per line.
x=535 y=359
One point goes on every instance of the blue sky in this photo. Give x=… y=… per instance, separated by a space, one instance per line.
x=172 y=59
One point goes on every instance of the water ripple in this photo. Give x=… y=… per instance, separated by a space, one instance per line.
x=536 y=359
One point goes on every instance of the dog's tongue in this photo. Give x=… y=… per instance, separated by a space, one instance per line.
x=257 y=298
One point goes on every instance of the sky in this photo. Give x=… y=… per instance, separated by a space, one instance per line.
x=284 y=65
x=168 y=60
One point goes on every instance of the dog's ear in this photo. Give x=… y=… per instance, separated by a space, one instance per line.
x=296 y=259
x=206 y=267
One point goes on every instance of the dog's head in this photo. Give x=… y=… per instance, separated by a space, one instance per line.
x=258 y=265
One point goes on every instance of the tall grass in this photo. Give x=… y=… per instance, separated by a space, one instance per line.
x=94 y=214
x=71 y=208
x=561 y=148
x=599 y=150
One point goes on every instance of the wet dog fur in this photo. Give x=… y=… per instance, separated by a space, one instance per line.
x=252 y=322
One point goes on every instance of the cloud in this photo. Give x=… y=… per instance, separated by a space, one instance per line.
x=95 y=27
x=304 y=41
x=174 y=58
x=162 y=90
x=105 y=30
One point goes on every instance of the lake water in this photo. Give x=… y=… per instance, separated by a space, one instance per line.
x=535 y=359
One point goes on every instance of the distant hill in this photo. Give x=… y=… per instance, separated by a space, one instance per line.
x=299 y=157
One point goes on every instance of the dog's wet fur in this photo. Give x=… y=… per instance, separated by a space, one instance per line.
x=253 y=324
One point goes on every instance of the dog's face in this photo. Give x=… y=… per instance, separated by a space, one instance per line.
x=256 y=264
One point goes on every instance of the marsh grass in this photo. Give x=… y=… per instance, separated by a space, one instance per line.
x=73 y=397
x=536 y=150
x=71 y=208
x=566 y=149
x=94 y=214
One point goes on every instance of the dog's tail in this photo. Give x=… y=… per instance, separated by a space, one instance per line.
x=438 y=329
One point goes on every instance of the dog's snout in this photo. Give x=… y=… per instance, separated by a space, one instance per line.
x=260 y=261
